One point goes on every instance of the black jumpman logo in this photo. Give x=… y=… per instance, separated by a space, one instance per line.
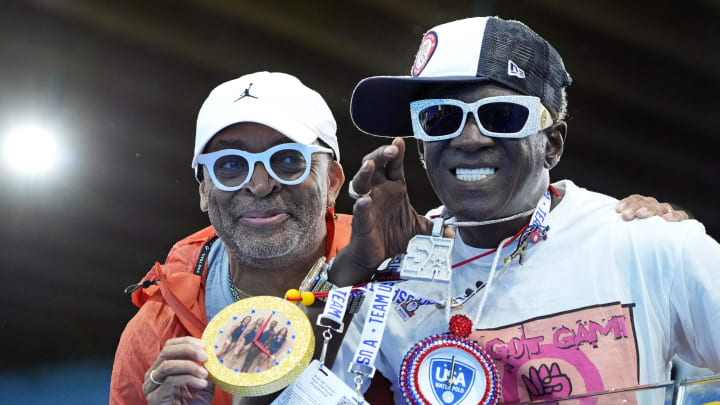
x=246 y=93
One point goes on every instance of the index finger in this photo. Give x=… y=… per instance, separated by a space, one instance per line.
x=394 y=167
x=372 y=172
x=186 y=348
x=382 y=158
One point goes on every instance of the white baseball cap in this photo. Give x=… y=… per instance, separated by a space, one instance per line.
x=277 y=100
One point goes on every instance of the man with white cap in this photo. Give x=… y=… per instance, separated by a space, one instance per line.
x=581 y=302
x=267 y=159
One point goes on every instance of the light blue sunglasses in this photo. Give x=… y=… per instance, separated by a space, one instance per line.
x=288 y=163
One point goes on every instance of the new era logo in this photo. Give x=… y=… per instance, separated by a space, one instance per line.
x=514 y=70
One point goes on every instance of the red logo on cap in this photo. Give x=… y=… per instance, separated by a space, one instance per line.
x=427 y=48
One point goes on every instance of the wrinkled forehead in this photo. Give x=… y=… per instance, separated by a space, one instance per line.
x=465 y=91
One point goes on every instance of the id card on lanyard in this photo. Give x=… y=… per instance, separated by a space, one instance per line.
x=318 y=385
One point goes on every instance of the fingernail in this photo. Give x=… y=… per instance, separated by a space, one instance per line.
x=363 y=202
x=365 y=165
x=620 y=206
x=643 y=211
x=390 y=150
x=202 y=356
x=203 y=373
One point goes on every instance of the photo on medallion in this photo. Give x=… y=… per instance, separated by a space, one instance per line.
x=255 y=341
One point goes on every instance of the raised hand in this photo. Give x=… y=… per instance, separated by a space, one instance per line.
x=384 y=221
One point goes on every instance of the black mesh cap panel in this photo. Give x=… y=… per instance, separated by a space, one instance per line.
x=545 y=74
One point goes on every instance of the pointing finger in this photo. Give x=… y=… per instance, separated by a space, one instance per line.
x=394 y=168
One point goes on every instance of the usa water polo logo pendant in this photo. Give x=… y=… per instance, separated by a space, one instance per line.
x=449 y=369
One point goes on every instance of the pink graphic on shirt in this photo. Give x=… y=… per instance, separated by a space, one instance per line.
x=575 y=352
x=546 y=381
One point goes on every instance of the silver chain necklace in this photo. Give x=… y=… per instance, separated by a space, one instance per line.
x=452 y=222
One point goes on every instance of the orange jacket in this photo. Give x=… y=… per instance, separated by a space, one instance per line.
x=175 y=306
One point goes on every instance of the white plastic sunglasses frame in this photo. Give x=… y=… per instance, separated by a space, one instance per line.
x=538 y=116
x=209 y=159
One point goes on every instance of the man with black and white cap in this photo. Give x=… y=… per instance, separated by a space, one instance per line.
x=582 y=301
x=267 y=160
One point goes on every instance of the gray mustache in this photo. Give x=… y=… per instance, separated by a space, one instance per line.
x=263 y=205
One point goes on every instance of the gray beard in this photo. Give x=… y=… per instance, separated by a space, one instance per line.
x=281 y=245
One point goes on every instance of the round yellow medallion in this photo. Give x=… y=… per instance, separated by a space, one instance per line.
x=258 y=345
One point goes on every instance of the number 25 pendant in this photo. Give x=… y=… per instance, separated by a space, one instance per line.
x=427 y=259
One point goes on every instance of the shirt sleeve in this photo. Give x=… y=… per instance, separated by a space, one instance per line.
x=135 y=353
x=695 y=301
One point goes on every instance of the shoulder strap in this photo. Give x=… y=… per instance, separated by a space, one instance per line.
x=199 y=267
x=204 y=253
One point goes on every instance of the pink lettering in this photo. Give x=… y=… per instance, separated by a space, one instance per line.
x=587 y=332
x=564 y=338
x=497 y=349
x=616 y=325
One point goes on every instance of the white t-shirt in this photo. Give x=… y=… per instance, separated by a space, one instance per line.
x=602 y=303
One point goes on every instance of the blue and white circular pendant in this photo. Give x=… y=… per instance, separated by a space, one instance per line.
x=449 y=370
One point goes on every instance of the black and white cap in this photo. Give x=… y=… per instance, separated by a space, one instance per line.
x=476 y=49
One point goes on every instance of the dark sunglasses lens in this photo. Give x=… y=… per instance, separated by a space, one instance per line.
x=288 y=164
x=504 y=118
x=231 y=170
x=441 y=120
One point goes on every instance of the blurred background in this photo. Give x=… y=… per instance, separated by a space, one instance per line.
x=98 y=102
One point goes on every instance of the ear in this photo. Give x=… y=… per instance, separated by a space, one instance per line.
x=421 y=151
x=336 y=178
x=203 y=196
x=555 y=145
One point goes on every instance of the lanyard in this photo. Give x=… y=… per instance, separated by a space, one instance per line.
x=538 y=220
x=363 y=362
x=332 y=316
x=532 y=233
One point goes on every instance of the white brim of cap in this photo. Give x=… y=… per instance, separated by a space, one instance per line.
x=380 y=105
x=292 y=129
